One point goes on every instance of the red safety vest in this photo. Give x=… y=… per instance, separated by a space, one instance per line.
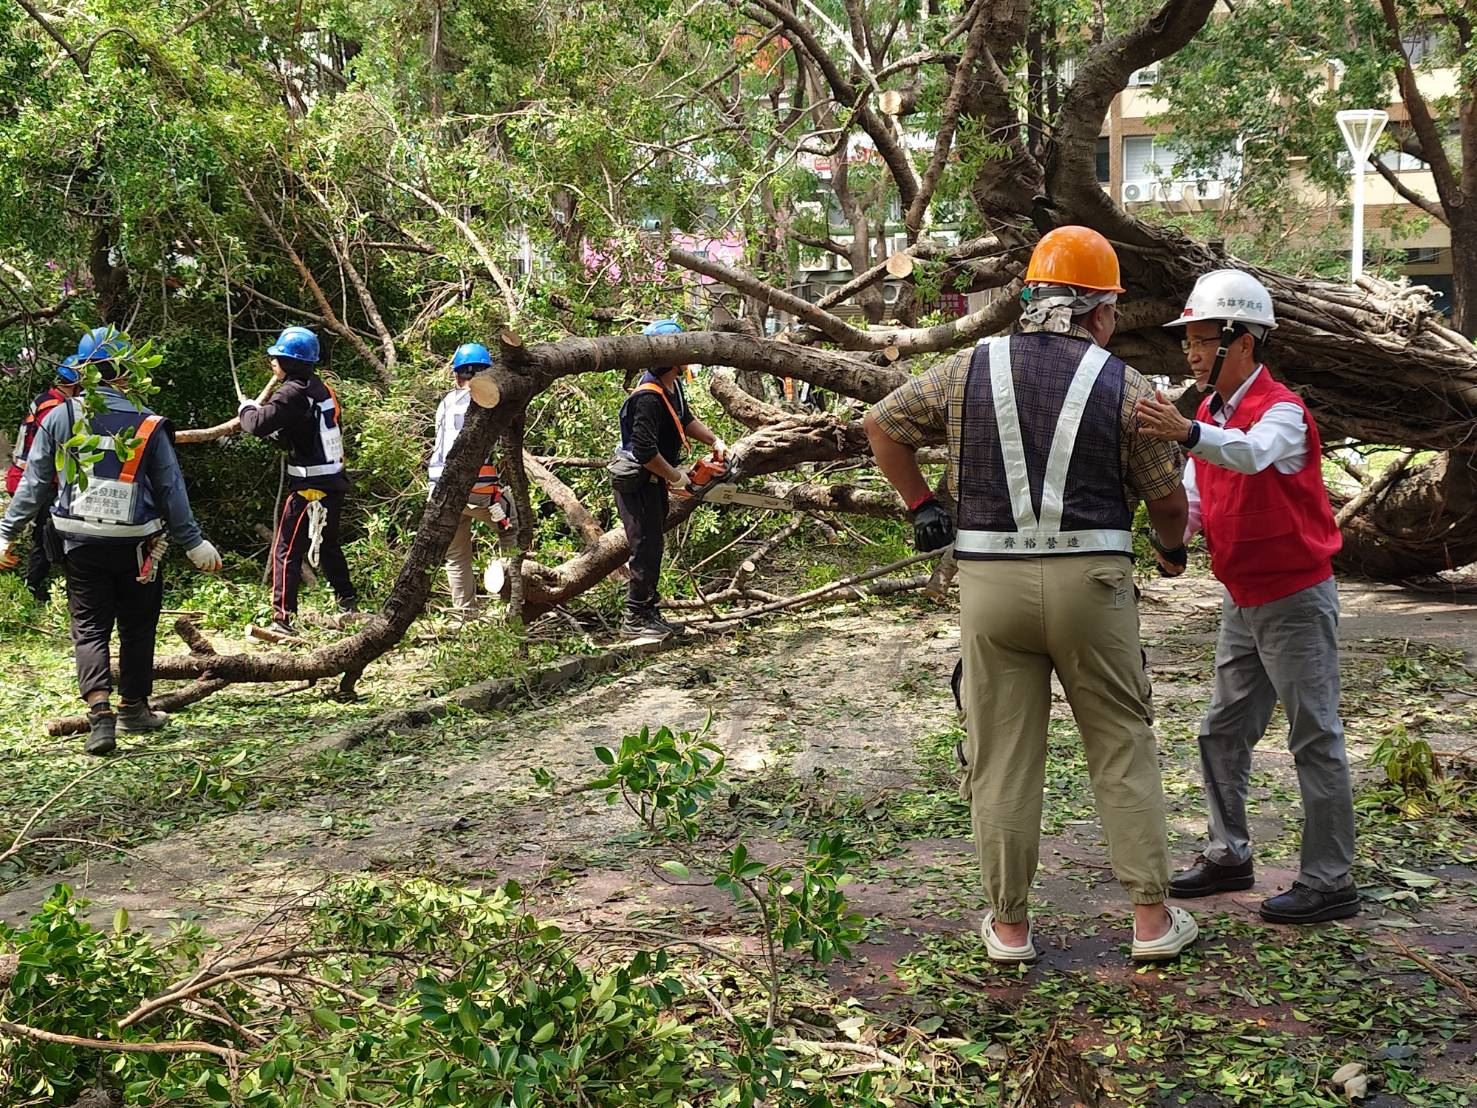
x=21 y=456
x=1270 y=534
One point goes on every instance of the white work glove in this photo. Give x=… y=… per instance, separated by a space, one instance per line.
x=497 y=513
x=9 y=559
x=204 y=557
x=682 y=482
x=720 y=450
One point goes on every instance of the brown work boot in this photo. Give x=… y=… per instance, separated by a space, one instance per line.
x=103 y=723
x=135 y=715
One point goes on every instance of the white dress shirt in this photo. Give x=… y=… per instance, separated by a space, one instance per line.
x=1279 y=438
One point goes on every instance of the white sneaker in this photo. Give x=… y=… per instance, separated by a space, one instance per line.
x=1182 y=932
x=998 y=951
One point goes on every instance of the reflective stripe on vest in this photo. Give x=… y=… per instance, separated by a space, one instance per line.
x=487 y=481
x=1034 y=537
x=20 y=454
x=330 y=438
x=105 y=508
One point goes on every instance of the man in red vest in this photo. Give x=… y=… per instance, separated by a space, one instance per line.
x=38 y=569
x=1255 y=487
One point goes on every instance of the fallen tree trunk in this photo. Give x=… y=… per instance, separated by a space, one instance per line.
x=1426 y=523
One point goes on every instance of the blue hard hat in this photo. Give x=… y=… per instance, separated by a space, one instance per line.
x=468 y=356
x=101 y=344
x=663 y=327
x=67 y=371
x=296 y=342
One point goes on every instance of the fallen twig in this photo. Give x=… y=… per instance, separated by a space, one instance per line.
x=851 y=582
x=1446 y=977
x=182 y=1046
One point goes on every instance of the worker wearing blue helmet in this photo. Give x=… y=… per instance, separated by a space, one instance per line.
x=38 y=567
x=302 y=415
x=109 y=520
x=486 y=500
x=655 y=424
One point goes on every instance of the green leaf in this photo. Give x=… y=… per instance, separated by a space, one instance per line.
x=1414 y=879
x=544 y=1033
x=677 y=869
x=328 y=1019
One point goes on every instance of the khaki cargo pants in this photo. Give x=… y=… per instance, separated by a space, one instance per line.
x=1020 y=619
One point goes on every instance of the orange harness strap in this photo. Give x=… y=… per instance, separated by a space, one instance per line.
x=145 y=430
x=652 y=386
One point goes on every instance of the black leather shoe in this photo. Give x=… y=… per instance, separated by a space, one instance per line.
x=1206 y=877
x=1301 y=904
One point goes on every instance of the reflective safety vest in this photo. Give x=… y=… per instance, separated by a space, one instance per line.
x=487 y=481
x=117 y=504
x=1040 y=473
x=20 y=453
x=450 y=416
x=328 y=414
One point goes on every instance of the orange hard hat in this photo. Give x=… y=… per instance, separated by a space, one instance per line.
x=1075 y=256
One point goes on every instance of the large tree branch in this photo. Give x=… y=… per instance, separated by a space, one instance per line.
x=565 y=500
x=943 y=142
x=1101 y=77
x=833 y=327
x=473 y=239
x=878 y=128
x=39 y=313
x=1420 y=113
x=1427 y=205
x=326 y=312
x=339 y=247
x=55 y=35
x=890 y=344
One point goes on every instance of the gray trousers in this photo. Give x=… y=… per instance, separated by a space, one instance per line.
x=1286 y=650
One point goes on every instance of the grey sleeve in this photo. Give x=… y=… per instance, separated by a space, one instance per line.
x=38 y=487
x=170 y=495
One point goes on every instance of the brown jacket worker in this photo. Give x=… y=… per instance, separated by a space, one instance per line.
x=113 y=535
x=303 y=415
x=1045 y=466
x=1255 y=483
x=655 y=426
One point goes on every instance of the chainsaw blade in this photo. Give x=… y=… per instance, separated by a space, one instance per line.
x=729 y=494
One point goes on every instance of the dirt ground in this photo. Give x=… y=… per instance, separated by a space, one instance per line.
x=842 y=719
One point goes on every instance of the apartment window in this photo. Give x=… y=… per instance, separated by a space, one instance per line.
x=1153 y=158
x=1147 y=158
x=1101 y=160
x=1141 y=78
x=1422 y=255
x=1419 y=43
x=1399 y=161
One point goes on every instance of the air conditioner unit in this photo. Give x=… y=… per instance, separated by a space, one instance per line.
x=1137 y=192
x=1209 y=190
x=891 y=293
x=1172 y=191
x=815 y=261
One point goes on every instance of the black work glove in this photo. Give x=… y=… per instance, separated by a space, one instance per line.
x=933 y=527
x=1178 y=555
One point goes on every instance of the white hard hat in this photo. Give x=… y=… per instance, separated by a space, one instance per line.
x=1232 y=296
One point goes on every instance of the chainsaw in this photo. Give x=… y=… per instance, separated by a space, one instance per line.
x=712 y=484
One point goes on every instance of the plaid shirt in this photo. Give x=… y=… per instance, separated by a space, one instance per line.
x=932 y=405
